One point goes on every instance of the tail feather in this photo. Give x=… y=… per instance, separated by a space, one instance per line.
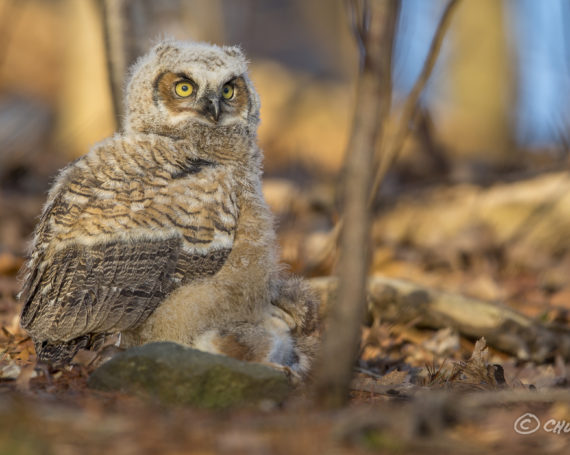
x=59 y=354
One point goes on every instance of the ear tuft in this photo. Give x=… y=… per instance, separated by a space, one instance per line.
x=234 y=51
x=165 y=46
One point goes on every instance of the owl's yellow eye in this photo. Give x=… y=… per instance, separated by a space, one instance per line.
x=183 y=89
x=228 y=91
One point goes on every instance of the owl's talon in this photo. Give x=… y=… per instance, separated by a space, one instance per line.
x=281 y=314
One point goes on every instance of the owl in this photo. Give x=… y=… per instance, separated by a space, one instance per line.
x=161 y=232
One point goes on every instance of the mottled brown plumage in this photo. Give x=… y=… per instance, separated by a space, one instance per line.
x=122 y=229
x=162 y=233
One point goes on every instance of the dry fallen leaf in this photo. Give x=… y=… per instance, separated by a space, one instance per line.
x=444 y=342
x=393 y=378
x=477 y=371
x=10 y=371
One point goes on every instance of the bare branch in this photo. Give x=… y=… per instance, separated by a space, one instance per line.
x=409 y=113
x=359 y=20
x=124 y=23
x=390 y=153
x=113 y=29
x=342 y=334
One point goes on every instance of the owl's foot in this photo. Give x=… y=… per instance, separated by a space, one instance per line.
x=282 y=315
x=294 y=298
x=106 y=348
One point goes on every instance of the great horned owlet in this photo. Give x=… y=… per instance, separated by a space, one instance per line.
x=162 y=232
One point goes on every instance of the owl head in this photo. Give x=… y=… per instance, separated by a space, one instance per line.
x=179 y=86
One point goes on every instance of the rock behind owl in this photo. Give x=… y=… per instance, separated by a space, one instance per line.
x=162 y=233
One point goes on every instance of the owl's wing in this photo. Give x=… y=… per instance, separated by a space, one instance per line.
x=107 y=287
x=90 y=288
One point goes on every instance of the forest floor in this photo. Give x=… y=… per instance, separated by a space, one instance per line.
x=415 y=388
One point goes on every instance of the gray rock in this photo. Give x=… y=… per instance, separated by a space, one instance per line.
x=175 y=374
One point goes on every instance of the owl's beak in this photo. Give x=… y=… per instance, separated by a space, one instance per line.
x=211 y=108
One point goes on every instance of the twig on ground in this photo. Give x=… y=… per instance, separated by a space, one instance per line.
x=505 y=329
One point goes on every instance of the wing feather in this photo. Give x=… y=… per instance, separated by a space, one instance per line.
x=107 y=287
x=83 y=280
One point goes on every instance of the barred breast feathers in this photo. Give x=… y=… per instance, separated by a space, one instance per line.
x=145 y=187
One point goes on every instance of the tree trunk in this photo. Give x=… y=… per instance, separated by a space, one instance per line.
x=375 y=23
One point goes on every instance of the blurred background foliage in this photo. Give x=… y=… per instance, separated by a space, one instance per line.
x=495 y=109
x=496 y=100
